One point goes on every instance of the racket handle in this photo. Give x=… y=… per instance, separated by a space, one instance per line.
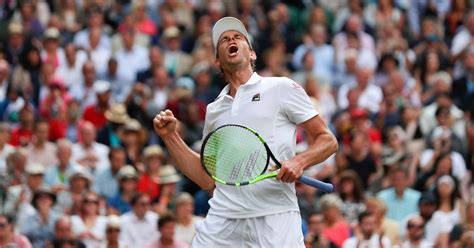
x=326 y=187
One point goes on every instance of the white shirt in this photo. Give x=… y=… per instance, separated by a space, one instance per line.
x=139 y=233
x=130 y=62
x=281 y=106
x=423 y=244
x=100 y=58
x=98 y=230
x=186 y=233
x=373 y=242
x=72 y=74
x=370 y=98
x=7 y=149
x=99 y=150
x=458 y=163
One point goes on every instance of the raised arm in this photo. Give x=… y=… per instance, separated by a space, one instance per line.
x=187 y=160
x=323 y=145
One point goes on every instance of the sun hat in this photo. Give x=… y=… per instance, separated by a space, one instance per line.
x=51 y=33
x=168 y=174
x=127 y=172
x=101 y=86
x=153 y=150
x=117 y=114
x=34 y=169
x=226 y=24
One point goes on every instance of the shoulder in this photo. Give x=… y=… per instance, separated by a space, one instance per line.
x=152 y=216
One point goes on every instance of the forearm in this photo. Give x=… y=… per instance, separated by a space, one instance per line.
x=324 y=145
x=188 y=161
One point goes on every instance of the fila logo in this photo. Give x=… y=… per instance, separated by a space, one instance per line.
x=256 y=97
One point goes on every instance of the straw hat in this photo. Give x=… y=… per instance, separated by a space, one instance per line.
x=168 y=174
x=117 y=114
x=127 y=172
x=153 y=150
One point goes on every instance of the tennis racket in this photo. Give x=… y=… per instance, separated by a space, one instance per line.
x=237 y=155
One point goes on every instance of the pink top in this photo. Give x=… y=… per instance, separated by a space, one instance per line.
x=338 y=233
x=176 y=244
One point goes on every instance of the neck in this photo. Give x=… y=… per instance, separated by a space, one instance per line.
x=184 y=220
x=237 y=78
x=166 y=240
x=39 y=144
x=415 y=242
x=399 y=193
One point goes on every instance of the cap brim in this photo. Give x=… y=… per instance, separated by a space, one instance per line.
x=226 y=24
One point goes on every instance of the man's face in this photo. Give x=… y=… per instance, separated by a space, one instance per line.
x=42 y=131
x=415 y=228
x=233 y=51
x=368 y=226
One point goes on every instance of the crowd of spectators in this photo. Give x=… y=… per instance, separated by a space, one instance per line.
x=81 y=80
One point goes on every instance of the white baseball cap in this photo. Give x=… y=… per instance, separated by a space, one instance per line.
x=226 y=24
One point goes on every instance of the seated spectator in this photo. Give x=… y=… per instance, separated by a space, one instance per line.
x=116 y=117
x=415 y=233
x=336 y=228
x=166 y=227
x=185 y=219
x=388 y=227
x=366 y=234
x=106 y=183
x=462 y=229
x=133 y=140
x=88 y=226
x=401 y=201
x=96 y=113
x=168 y=179
x=21 y=135
x=121 y=202
x=88 y=152
x=351 y=193
x=63 y=234
x=39 y=225
x=8 y=236
x=80 y=182
x=314 y=236
x=149 y=180
x=112 y=233
x=41 y=150
x=5 y=148
x=53 y=108
x=139 y=226
x=57 y=176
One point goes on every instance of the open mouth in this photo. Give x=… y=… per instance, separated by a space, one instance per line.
x=232 y=50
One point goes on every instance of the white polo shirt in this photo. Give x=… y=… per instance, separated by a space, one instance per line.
x=272 y=106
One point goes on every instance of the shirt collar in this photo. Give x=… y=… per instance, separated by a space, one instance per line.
x=255 y=78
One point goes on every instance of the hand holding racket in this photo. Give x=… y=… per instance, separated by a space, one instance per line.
x=236 y=155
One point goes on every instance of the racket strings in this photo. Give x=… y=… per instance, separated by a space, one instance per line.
x=234 y=155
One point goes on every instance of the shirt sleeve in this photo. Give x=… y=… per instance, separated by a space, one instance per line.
x=295 y=103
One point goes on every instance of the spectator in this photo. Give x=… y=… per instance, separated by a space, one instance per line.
x=168 y=179
x=415 y=232
x=57 y=176
x=131 y=58
x=360 y=160
x=80 y=181
x=106 y=182
x=112 y=233
x=176 y=61
x=7 y=235
x=63 y=234
x=5 y=148
x=166 y=227
x=21 y=135
x=149 y=180
x=53 y=108
x=388 y=227
x=401 y=201
x=96 y=113
x=461 y=230
x=185 y=219
x=336 y=229
x=116 y=117
x=352 y=195
x=133 y=140
x=88 y=152
x=156 y=60
x=53 y=53
x=39 y=226
x=84 y=91
x=89 y=226
x=139 y=226
x=121 y=202
x=366 y=234
x=314 y=236
x=41 y=150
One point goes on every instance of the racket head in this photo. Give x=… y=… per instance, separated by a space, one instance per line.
x=234 y=155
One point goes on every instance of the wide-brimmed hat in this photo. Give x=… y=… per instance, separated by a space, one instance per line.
x=117 y=114
x=51 y=33
x=168 y=174
x=34 y=169
x=81 y=172
x=127 y=172
x=43 y=190
x=153 y=150
x=132 y=125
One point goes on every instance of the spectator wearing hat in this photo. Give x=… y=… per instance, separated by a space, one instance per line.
x=87 y=152
x=133 y=140
x=185 y=219
x=63 y=234
x=41 y=150
x=16 y=165
x=52 y=53
x=204 y=90
x=177 y=62
x=415 y=233
x=8 y=236
x=21 y=135
x=112 y=233
x=140 y=105
x=19 y=196
x=16 y=42
x=166 y=227
x=88 y=225
x=139 y=226
x=336 y=230
x=106 y=183
x=127 y=179
x=149 y=181
x=116 y=117
x=39 y=225
x=80 y=181
x=168 y=179
x=360 y=159
x=401 y=201
x=57 y=176
x=96 y=113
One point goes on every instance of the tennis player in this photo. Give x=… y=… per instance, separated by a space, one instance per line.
x=264 y=214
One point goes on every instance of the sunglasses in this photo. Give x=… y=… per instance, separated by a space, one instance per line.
x=91 y=201
x=411 y=226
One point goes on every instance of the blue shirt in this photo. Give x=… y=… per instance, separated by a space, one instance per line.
x=105 y=183
x=399 y=208
x=53 y=176
x=118 y=203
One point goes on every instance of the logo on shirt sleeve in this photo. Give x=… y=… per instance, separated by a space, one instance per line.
x=256 y=97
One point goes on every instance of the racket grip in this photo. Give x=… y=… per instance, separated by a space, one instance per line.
x=326 y=187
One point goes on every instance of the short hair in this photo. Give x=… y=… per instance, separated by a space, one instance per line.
x=363 y=216
x=114 y=150
x=136 y=197
x=166 y=218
